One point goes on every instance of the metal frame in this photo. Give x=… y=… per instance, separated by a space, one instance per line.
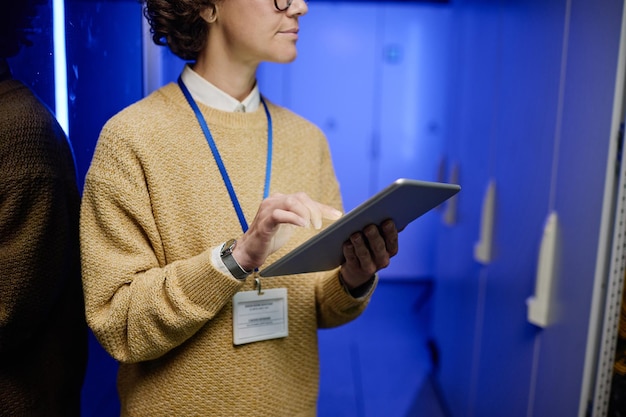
x=610 y=270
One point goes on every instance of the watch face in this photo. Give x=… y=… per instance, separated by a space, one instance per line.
x=227 y=257
x=228 y=247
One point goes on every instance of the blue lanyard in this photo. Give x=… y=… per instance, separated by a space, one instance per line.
x=218 y=158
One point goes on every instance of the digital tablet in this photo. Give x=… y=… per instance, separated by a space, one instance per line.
x=403 y=201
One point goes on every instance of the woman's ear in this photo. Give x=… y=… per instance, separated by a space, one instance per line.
x=209 y=14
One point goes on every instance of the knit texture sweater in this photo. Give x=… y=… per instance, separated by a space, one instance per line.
x=154 y=206
x=43 y=334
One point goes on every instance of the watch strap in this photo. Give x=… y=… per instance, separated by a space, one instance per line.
x=230 y=262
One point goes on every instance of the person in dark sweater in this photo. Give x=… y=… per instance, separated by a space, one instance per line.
x=43 y=334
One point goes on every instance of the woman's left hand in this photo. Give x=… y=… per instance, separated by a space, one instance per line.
x=367 y=252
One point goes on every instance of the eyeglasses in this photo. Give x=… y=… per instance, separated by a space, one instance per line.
x=282 y=5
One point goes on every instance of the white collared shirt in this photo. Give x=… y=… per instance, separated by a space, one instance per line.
x=203 y=91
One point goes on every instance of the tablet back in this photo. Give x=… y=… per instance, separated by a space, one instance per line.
x=403 y=201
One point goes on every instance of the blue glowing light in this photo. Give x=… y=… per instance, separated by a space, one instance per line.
x=60 y=67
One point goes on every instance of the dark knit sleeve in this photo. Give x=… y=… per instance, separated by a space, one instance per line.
x=39 y=206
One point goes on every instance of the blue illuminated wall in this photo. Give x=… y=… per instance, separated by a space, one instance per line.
x=34 y=65
x=104 y=67
x=530 y=106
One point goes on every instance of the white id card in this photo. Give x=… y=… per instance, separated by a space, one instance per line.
x=260 y=316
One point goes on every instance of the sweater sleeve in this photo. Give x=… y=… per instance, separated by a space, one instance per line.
x=139 y=304
x=335 y=305
x=37 y=247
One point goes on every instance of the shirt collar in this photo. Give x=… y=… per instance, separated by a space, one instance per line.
x=208 y=94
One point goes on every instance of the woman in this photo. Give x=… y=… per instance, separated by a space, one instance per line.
x=169 y=234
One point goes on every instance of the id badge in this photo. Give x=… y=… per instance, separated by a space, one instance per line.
x=261 y=316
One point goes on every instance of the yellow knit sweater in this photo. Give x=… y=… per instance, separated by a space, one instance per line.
x=154 y=206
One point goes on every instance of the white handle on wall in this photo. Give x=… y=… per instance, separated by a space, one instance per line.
x=483 y=250
x=539 y=305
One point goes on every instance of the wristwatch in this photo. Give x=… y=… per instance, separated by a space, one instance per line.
x=233 y=266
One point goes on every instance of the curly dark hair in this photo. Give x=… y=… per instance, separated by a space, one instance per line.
x=16 y=24
x=178 y=25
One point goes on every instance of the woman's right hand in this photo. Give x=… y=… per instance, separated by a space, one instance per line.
x=274 y=224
